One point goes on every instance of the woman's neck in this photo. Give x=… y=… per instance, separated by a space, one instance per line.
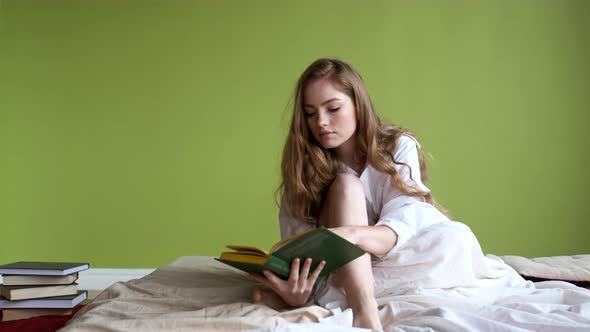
x=352 y=157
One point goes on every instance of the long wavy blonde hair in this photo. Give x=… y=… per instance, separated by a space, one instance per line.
x=308 y=169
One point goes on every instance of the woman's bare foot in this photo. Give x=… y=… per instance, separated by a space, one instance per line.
x=269 y=298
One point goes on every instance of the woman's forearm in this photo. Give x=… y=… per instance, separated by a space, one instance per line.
x=377 y=240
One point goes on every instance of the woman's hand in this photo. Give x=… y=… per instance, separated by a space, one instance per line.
x=297 y=289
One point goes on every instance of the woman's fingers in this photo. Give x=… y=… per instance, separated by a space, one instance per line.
x=268 y=279
x=297 y=290
x=272 y=279
x=299 y=284
x=260 y=279
x=255 y=277
x=305 y=270
x=294 y=274
x=316 y=273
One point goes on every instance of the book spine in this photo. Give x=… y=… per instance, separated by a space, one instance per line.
x=278 y=266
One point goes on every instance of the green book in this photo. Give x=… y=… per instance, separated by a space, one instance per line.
x=318 y=244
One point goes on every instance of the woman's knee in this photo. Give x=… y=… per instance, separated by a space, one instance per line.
x=347 y=185
x=346 y=195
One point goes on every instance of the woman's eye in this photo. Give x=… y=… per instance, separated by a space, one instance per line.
x=334 y=109
x=307 y=115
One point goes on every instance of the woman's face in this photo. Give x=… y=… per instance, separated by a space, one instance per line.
x=330 y=114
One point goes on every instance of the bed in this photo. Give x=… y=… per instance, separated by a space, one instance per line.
x=199 y=293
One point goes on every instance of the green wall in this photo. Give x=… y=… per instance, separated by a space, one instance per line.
x=134 y=132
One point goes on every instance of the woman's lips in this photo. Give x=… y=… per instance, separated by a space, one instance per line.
x=326 y=134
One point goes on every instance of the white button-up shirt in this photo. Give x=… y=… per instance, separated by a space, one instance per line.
x=386 y=204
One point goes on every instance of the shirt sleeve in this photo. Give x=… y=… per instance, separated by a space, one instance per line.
x=405 y=214
x=289 y=224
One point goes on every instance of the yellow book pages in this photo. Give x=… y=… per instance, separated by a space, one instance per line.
x=250 y=254
x=248 y=249
x=243 y=257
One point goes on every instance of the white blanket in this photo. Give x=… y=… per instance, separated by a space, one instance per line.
x=440 y=281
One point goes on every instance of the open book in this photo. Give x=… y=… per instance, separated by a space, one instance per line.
x=318 y=244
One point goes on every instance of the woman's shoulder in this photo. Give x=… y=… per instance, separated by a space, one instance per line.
x=404 y=145
x=400 y=152
x=407 y=139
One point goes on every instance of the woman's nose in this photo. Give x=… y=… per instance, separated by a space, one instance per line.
x=322 y=119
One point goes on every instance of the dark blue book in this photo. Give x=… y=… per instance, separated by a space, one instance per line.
x=43 y=268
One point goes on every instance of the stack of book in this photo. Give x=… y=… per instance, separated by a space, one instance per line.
x=32 y=289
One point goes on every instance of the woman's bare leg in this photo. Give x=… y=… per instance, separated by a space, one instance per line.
x=345 y=206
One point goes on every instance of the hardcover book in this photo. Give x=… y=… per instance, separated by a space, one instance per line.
x=21 y=280
x=318 y=244
x=64 y=302
x=14 y=293
x=14 y=314
x=43 y=268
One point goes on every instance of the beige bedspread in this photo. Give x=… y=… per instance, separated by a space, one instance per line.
x=191 y=293
x=201 y=294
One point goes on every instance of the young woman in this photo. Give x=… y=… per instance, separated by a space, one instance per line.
x=346 y=170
